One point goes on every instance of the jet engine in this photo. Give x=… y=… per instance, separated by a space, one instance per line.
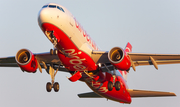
x=119 y=59
x=26 y=60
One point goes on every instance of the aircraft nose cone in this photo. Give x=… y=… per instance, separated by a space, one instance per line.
x=42 y=16
x=42 y=13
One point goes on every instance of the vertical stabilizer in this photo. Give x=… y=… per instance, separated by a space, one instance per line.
x=128 y=48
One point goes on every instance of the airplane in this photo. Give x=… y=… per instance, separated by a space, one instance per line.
x=105 y=72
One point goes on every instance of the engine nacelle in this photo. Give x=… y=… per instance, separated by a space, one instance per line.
x=26 y=60
x=119 y=58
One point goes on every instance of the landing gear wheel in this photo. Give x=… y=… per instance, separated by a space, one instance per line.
x=55 y=51
x=110 y=86
x=117 y=85
x=51 y=51
x=48 y=87
x=56 y=86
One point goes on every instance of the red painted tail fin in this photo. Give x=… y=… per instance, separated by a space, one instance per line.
x=128 y=47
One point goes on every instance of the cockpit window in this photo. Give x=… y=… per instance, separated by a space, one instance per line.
x=52 y=6
x=60 y=8
x=45 y=6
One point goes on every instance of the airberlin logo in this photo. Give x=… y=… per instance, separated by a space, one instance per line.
x=85 y=35
x=75 y=60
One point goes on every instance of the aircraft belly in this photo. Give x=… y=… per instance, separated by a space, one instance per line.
x=100 y=88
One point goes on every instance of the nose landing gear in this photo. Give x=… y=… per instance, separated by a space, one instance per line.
x=51 y=84
x=49 y=87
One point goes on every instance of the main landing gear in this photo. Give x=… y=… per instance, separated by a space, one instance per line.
x=53 y=51
x=49 y=87
x=117 y=86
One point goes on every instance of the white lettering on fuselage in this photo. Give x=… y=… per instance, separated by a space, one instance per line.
x=98 y=86
x=88 y=39
x=75 y=60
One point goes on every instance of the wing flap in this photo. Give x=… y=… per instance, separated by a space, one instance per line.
x=140 y=63
x=144 y=93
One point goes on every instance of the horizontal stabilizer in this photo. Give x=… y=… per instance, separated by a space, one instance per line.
x=89 y=95
x=133 y=93
x=145 y=93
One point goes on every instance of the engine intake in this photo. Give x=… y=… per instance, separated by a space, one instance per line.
x=119 y=58
x=26 y=60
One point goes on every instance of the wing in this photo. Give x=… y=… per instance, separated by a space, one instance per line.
x=8 y=62
x=139 y=59
x=41 y=57
x=144 y=59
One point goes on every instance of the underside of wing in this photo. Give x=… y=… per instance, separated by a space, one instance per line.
x=147 y=59
x=46 y=58
x=144 y=93
x=8 y=62
x=138 y=59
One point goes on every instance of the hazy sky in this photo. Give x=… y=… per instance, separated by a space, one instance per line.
x=151 y=26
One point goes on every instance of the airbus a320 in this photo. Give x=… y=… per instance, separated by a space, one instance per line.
x=105 y=72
